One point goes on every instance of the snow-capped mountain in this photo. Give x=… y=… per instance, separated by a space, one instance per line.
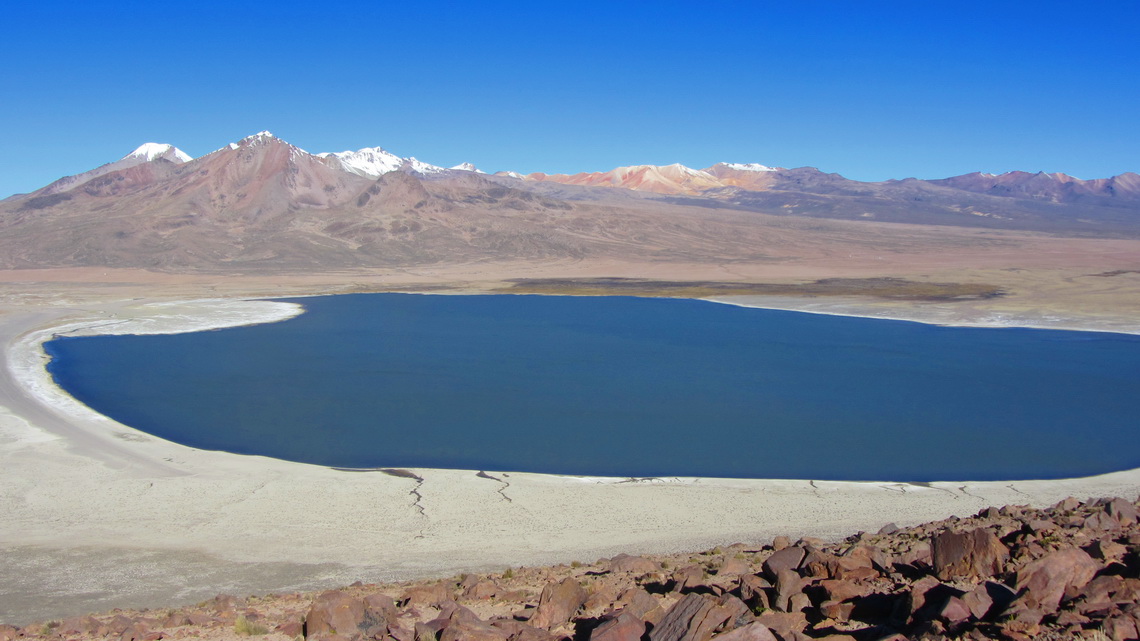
x=146 y=153
x=151 y=151
x=373 y=162
x=466 y=166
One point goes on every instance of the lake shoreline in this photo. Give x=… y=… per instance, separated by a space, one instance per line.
x=86 y=483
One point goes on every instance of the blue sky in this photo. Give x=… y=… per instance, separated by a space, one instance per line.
x=870 y=90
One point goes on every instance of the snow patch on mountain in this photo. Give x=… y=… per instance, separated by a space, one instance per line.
x=373 y=162
x=466 y=166
x=752 y=166
x=151 y=151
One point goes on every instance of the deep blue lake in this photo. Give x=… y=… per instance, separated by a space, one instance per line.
x=621 y=386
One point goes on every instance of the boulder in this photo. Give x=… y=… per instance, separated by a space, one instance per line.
x=1067 y=505
x=734 y=567
x=754 y=590
x=697 y=617
x=80 y=625
x=781 y=542
x=558 y=602
x=1043 y=582
x=688 y=577
x=621 y=626
x=632 y=564
x=954 y=610
x=788 y=584
x=784 y=624
x=974 y=554
x=838 y=590
x=334 y=612
x=519 y=631
x=754 y=631
x=978 y=601
x=463 y=625
x=1121 y=628
x=637 y=601
x=786 y=559
x=1122 y=511
x=433 y=594
x=379 y=607
x=1100 y=522
x=482 y=590
x=837 y=611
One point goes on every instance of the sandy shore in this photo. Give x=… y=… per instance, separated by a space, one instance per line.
x=98 y=515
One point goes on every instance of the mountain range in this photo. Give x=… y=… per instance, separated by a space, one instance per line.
x=262 y=202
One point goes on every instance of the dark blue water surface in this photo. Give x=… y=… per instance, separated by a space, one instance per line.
x=625 y=387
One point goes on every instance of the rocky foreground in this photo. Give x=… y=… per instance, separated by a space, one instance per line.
x=1071 y=571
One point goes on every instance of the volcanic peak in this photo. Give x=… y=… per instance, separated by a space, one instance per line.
x=150 y=151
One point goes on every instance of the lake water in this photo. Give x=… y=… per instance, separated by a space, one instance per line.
x=621 y=386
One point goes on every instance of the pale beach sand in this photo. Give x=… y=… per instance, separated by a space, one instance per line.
x=98 y=515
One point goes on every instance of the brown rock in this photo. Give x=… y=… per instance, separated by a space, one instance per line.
x=838 y=590
x=464 y=625
x=1100 y=522
x=973 y=554
x=482 y=590
x=8 y=632
x=784 y=623
x=637 y=601
x=427 y=631
x=918 y=553
x=978 y=601
x=602 y=598
x=788 y=584
x=433 y=594
x=754 y=631
x=380 y=606
x=954 y=611
x=688 y=577
x=1043 y=582
x=697 y=617
x=397 y=632
x=519 y=631
x=1122 y=511
x=799 y=603
x=916 y=598
x=558 y=602
x=200 y=619
x=818 y=564
x=633 y=564
x=753 y=589
x=1121 y=628
x=1067 y=505
x=781 y=542
x=175 y=620
x=734 y=567
x=334 y=612
x=1106 y=550
x=79 y=625
x=291 y=629
x=1067 y=618
x=786 y=559
x=837 y=611
x=622 y=626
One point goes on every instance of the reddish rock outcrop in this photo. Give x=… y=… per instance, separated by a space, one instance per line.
x=558 y=602
x=973 y=554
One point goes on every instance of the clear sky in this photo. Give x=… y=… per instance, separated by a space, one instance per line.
x=871 y=90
